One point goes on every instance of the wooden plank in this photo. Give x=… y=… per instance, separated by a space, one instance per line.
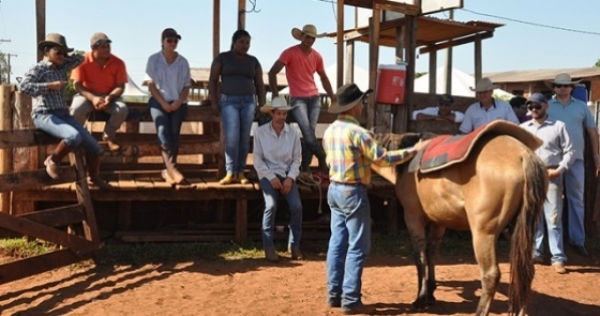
x=125 y=217
x=241 y=219
x=454 y=43
x=25 y=138
x=27 y=180
x=6 y=158
x=126 y=182
x=90 y=227
x=59 y=216
x=33 y=229
x=23 y=268
x=141 y=113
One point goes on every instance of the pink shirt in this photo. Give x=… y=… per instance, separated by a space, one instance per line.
x=300 y=69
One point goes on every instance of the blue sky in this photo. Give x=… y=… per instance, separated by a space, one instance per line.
x=135 y=27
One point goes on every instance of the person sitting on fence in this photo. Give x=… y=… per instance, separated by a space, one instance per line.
x=301 y=62
x=442 y=112
x=169 y=84
x=277 y=154
x=46 y=82
x=241 y=82
x=100 y=81
x=487 y=108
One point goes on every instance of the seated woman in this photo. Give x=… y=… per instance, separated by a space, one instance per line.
x=169 y=85
x=46 y=82
x=241 y=82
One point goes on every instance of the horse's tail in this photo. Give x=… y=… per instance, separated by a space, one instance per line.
x=521 y=250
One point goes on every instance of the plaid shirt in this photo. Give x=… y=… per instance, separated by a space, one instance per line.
x=35 y=83
x=351 y=150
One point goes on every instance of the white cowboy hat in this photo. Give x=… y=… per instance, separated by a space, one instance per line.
x=484 y=84
x=565 y=79
x=278 y=103
x=308 y=29
x=347 y=97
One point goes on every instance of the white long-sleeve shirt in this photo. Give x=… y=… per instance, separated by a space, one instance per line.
x=277 y=155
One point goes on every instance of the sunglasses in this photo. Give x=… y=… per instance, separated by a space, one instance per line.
x=535 y=106
x=562 y=85
x=172 y=40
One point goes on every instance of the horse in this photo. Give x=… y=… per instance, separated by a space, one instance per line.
x=501 y=182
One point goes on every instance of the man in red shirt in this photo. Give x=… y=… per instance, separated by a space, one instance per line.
x=100 y=81
x=301 y=62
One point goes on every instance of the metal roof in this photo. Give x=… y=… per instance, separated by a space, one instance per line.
x=541 y=74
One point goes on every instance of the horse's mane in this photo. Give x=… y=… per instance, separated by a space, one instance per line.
x=391 y=141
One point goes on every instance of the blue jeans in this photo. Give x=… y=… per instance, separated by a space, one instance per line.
x=350 y=242
x=168 y=125
x=574 y=183
x=60 y=124
x=306 y=113
x=293 y=198
x=553 y=210
x=237 y=113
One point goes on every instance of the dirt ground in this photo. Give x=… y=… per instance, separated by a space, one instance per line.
x=255 y=287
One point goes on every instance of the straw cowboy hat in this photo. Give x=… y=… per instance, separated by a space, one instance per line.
x=347 y=97
x=484 y=84
x=54 y=39
x=278 y=103
x=564 y=79
x=308 y=29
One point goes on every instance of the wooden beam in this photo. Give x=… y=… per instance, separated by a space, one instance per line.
x=340 y=45
x=350 y=61
x=23 y=268
x=59 y=216
x=478 y=58
x=241 y=14
x=407 y=9
x=27 y=180
x=454 y=43
x=40 y=23
x=402 y=119
x=90 y=227
x=241 y=219
x=374 y=24
x=216 y=27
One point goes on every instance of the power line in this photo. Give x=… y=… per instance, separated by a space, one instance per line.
x=531 y=23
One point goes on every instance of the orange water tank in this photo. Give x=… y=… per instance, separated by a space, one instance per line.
x=390 y=84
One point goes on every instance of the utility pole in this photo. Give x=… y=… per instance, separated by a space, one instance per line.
x=9 y=69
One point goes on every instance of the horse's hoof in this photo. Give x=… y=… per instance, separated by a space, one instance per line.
x=419 y=306
x=430 y=301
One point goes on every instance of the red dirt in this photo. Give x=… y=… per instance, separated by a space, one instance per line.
x=255 y=287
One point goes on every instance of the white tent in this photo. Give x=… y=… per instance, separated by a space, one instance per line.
x=461 y=84
x=361 y=78
x=132 y=89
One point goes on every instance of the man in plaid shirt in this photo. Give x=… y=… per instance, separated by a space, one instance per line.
x=351 y=150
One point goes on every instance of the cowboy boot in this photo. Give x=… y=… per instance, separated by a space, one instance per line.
x=52 y=163
x=296 y=253
x=93 y=164
x=170 y=174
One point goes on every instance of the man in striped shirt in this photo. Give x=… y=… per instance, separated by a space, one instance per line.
x=277 y=154
x=351 y=150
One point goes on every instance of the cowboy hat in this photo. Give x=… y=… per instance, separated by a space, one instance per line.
x=564 y=79
x=484 y=84
x=347 y=97
x=278 y=103
x=54 y=39
x=308 y=29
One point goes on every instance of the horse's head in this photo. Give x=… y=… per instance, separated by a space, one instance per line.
x=398 y=141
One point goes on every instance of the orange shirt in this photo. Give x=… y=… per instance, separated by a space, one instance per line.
x=100 y=80
x=300 y=69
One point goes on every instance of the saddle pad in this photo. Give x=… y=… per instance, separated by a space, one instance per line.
x=446 y=150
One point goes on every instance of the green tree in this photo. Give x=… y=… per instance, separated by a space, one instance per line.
x=597 y=64
x=3 y=68
x=420 y=74
x=69 y=90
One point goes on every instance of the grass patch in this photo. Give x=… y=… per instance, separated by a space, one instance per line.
x=22 y=248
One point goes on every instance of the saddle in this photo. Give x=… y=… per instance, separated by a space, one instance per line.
x=446 y=150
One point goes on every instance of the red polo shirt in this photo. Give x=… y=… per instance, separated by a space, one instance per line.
x=100 y=80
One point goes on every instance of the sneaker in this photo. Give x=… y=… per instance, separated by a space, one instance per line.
x=358 y=310
x=112 y=144
x=52 y=168
x=559 y=267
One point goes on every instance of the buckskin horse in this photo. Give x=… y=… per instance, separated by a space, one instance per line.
x=498 y=181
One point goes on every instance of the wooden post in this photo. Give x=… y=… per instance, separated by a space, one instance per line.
x=400 y=36
x=478 y=59
x=241 y=14
x=340 y=44
x=214 y=128
x=349 y=61
x=6 y=94
x=374 y=30
x=216 y=27
x=401 y=123
x=40 y=22
x=448 y=87
x=24 y=158
x=433 y=70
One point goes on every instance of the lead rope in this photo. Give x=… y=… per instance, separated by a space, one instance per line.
x=308 y=179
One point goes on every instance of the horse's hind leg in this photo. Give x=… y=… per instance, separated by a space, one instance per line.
x=416 y=229
x=484 y=246
x=434 y=240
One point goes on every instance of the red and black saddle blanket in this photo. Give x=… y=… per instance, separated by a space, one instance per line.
x=447 y=150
